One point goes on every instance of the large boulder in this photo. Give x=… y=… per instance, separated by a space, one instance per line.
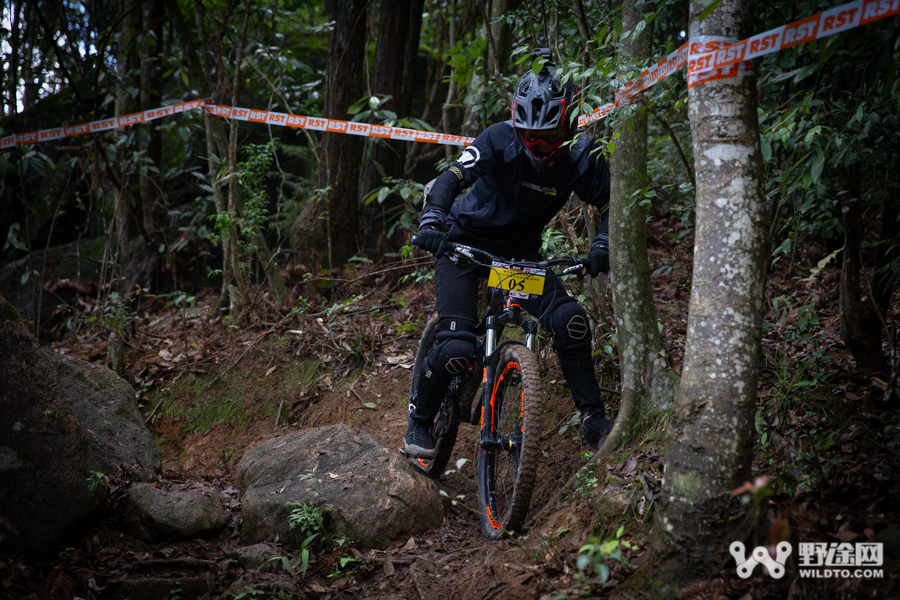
x=369 y=494
x=60 y=420
x=181 y=511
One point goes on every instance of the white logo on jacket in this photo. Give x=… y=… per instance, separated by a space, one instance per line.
x=469 y=157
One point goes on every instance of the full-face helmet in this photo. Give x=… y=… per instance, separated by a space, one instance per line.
x=541 y=114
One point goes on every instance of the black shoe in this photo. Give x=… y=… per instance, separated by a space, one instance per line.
x=595 y=430
x=418 y=441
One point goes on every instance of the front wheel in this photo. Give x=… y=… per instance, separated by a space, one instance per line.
x=508 y=451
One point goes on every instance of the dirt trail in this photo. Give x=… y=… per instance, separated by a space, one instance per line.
x=828 y=446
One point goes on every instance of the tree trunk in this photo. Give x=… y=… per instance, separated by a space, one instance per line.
x=503 y=39
x=326 y=230
x=887 y=251
x=453 y=19
x=396 y=51
x=647 y=382
x=128 y=71
x=710 y=440
x=860 y=326
x=152 y=183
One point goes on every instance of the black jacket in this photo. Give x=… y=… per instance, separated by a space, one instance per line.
x=510 y=203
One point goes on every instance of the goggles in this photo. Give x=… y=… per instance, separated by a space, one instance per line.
x=546 y=135
x=544 y=143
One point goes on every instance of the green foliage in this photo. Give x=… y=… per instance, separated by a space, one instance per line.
x=96 y=480
x=308 y=519
x=594 y=555
x=175 y=592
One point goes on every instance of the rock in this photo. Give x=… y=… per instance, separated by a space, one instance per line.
x=60 y=419
x=369 y=494
x=154 y=588
x=153 y=514
x=890 y=537
x=255 y=556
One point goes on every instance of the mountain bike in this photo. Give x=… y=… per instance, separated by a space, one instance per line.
x=506 y=372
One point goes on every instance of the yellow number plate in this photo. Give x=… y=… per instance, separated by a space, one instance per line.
x=521 y=282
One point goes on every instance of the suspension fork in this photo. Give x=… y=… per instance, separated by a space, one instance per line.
x=531 y=339
x=493 y=330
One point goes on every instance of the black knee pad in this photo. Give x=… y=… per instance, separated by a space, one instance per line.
x=454 y=349
x=571 y=329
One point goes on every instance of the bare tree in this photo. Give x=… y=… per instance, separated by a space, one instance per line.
x=647 y=381
x=327 y=228
x=710 y=441
x=396 y=51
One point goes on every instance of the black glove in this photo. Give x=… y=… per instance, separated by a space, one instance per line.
x=599 y=262
x=432 y=236
x=432 y=240
x=599 y=255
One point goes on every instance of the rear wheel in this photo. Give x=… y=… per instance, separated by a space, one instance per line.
x=446 y=424
x=508 y=452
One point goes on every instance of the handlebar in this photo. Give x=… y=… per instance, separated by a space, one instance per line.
x=486 y=259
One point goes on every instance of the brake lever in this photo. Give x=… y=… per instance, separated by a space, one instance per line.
x=465 y=253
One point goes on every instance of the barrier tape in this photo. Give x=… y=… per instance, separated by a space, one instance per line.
x=337 y=126
x=240 y=114
x=706 y=58
x=703 y=60
x=46 y=135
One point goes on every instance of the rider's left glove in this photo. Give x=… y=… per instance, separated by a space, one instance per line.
x=431 y=236
x=599 y=255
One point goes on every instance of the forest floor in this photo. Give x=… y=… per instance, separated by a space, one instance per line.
x=826 y=455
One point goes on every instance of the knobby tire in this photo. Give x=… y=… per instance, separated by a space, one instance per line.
x=506 y=477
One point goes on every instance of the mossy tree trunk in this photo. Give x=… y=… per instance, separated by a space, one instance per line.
x=710 y=441
x=647 y=382
x=327 y=229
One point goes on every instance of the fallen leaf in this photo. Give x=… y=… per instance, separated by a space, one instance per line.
x=847 y=536
x=371 y=405
x=851 y=396
x=271 y=370
x=333 y=476
x=388 y=567
x=870 y=535
x=295 y=331
x=631 y=465
x=396 y=360
x=409 y=545
x=317 y=588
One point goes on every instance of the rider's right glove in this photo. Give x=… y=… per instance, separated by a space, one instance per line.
x=599 y=256
x=432 y=236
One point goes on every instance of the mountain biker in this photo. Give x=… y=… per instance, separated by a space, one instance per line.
x=522 y=175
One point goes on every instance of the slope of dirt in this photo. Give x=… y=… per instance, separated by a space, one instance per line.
x=826 y=462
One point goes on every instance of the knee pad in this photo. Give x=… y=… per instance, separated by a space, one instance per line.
x=571 y=329
x=454 y=349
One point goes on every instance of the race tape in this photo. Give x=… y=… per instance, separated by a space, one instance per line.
x=703 y=45
x=707 y=64
x=336 y=125
x=707 y=59
x=46 y=135
x=826 y=23
x=240 y=114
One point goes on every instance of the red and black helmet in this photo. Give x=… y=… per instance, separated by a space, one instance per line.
x=541 y=113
